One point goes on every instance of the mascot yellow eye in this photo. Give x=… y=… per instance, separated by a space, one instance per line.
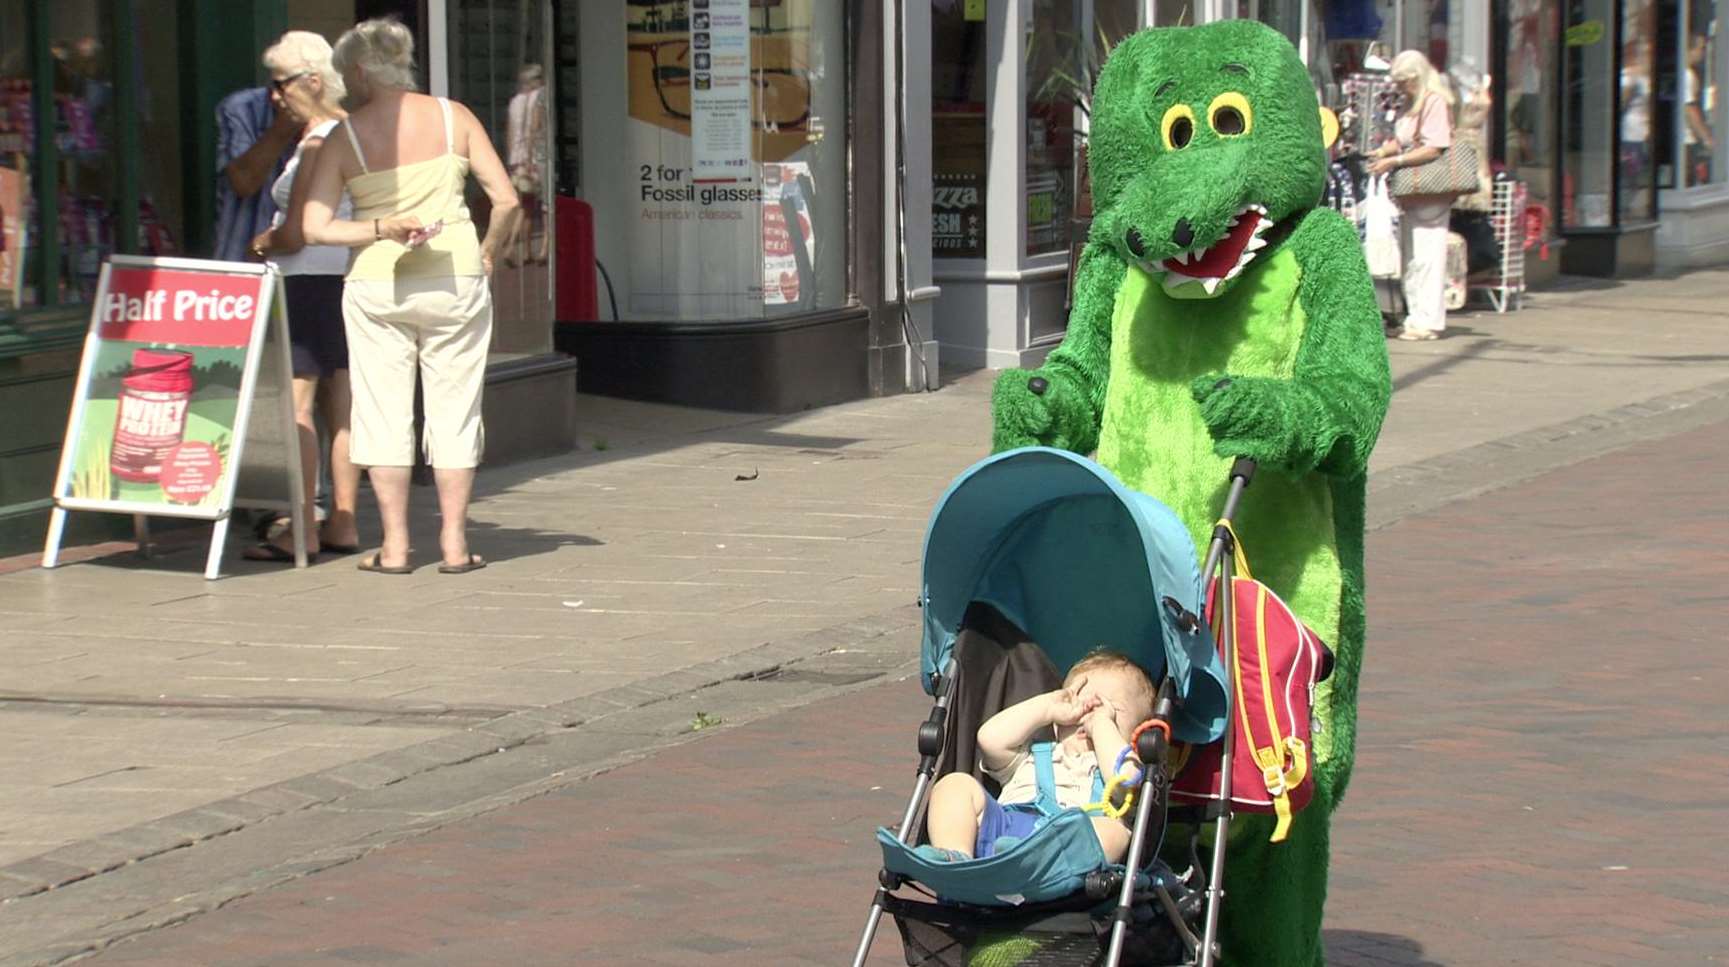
x=1230 y=115
x=1178 y=126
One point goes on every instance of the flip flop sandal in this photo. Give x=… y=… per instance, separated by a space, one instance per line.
x=272 y=554
x=474 y=563
x=371 y=563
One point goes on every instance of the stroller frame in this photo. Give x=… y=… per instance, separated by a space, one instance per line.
x=1150 y=747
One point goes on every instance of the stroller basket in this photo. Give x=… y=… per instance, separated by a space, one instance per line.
x=941 y=935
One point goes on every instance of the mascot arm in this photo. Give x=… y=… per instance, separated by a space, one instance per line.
x=1328 y=414
x=1067 y=414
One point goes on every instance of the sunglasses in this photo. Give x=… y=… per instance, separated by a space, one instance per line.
x=281 y=86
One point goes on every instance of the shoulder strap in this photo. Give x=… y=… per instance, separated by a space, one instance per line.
x=1046 y=776
x=449 y=135
x=359 y=155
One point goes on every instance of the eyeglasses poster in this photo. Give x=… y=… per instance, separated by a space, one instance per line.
x=720 y=120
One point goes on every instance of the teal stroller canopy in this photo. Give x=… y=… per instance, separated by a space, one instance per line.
x=1078 y=561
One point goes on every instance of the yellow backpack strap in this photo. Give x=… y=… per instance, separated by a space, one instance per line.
x=1236 y=551
x=1283 y=770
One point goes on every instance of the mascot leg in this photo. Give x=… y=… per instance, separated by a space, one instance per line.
x=1275 y=892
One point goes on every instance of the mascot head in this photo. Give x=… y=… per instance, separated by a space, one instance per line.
x=1205 y=142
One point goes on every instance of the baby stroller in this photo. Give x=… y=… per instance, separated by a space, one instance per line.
x=1033 y=558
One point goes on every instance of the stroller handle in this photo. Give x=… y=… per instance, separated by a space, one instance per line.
x=1242 y=471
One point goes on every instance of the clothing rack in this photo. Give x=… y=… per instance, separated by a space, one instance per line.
x=1506 y=285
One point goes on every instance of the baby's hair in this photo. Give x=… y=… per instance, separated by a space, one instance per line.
x=1104 y=659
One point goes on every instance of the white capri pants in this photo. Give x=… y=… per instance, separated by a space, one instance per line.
x=443 y=328
x=1423 y=232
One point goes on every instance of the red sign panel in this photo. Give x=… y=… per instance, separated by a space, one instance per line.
x=179 y=307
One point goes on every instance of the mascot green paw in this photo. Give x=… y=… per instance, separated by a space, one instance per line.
x=1039 y=408
x=1247 y=417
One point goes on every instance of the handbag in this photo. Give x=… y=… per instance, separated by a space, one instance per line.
x=1279 y=662
x=1453 y=173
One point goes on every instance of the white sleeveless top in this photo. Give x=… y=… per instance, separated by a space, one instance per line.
x=313 y=259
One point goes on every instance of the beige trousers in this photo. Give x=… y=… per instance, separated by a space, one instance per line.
x=438 y=327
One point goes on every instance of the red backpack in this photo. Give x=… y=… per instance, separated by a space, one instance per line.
x=1279 y=662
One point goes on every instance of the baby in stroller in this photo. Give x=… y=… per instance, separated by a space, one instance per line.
x=1087 y=721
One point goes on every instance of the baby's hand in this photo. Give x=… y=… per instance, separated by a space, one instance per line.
x=1067 y=707
x=1100 y=712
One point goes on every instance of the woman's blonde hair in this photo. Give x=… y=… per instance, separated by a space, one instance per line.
x=383 y=48
x=303 y=50
x=1411 y=65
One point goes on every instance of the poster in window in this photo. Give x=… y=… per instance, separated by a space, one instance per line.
x=786 y=228
x=958 y=215
x=720 y=92
x=716 y=93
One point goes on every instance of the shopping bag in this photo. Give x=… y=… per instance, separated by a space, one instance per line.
x=1381 y=230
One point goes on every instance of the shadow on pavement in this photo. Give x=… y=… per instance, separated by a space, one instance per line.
x=1444 y=363
x=1362 y=948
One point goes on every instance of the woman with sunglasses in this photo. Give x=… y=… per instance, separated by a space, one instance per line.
x=307 y=88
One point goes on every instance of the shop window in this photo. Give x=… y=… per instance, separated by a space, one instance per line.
x=1704 y=115
x=715 y=156
x=161 y=189
x=958 y=94
x=1589 y=119
x=1428 y=26
x=499 y=53
x=84 y=136
x=17 y=145
x=1177 y=13
x=1054 y=41
x=1532 y=96
x=98 y=206
x=1636 y=174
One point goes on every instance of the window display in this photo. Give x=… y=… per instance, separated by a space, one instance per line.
x=84 y=138
x=1588 y=114
x=17 y=143
x=498 y=53
x=716 y=158
x=1703 y=113
x=94 y=198
x=1532 y=96
x=1636 y=175
x=161 y=190
x=957 y=131
x=1053 y=64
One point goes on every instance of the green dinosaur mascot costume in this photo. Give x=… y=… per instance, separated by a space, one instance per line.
x=1220 y=313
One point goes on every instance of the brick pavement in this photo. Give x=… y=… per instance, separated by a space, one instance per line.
x=1540 y=779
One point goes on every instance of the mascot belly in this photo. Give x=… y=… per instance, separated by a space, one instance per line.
x=1219 y=313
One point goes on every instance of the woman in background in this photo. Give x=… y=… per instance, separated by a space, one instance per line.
x=1422 y=132
x=416 y=296
x=305 y=87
